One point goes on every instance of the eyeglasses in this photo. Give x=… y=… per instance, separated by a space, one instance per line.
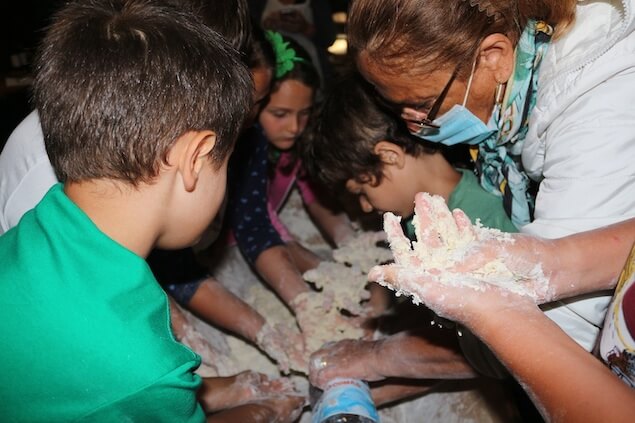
x=426 y=127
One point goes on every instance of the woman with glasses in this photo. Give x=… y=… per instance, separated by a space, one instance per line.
x=542 y=91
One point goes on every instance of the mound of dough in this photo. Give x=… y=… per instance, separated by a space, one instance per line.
x=364 y=251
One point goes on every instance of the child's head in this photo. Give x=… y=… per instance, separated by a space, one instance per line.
x=118 y=82
x=353 y=142
x=295 y=84
x=262 y=62
x=230 y=18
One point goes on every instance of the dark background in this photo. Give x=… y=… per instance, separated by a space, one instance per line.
x=22 y=23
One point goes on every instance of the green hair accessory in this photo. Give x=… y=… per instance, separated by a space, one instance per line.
x=285 y=56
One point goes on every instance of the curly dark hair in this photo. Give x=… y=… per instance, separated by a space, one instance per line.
x=339 y=144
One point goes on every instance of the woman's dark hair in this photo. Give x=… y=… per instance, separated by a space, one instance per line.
x=418 y=36
x=339 y=144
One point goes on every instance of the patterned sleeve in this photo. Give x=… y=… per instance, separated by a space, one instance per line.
x=247 y=207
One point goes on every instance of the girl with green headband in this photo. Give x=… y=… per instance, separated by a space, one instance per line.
x=263 y=172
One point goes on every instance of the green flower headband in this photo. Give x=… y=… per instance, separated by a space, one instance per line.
x=285 y=55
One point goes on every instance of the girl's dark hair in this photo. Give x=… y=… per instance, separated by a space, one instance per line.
x=340 y=143
x=417 y=36
x=303 y=70
x=117 y=82
x=230 y=18
x=261 y=53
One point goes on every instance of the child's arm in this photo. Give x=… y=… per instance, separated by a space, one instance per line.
x=217 y=305
x=303 y=258
x=250 y=217
x=220 y=307
x=278 y=269
x=335 y=226
x=379 y=300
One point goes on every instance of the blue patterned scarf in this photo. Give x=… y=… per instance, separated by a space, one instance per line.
x=498 y=164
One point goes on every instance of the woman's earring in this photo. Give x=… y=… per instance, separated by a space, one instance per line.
x=500 y=92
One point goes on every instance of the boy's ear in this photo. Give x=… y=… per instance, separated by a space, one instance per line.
x=195 y=149
x=497 y=55
x=390 y=154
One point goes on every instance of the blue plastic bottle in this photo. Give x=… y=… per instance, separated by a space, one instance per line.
x=344 y=401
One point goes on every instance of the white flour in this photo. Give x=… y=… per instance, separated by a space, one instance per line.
x=446 y=246
x=474 y=401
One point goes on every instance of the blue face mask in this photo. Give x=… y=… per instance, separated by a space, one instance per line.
x=459 y=125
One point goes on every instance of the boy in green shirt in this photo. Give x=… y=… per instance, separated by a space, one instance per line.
x=140 y=104
x=356 y=145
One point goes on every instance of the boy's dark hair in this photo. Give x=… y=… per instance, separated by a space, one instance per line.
x=230 y=18
x=339 y=144
x=119 y=81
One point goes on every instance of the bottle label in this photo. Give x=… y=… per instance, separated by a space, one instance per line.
x=345 y=396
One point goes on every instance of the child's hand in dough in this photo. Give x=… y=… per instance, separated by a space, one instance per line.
x=285 y=345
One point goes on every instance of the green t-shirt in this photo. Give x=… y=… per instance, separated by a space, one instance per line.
x=85 y=327
x=477 y=203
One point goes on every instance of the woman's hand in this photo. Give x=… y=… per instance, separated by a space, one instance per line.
x=451 y=251
x=356 y=359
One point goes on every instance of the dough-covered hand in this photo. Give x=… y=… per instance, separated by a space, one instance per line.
x=280 y=409
x=451 y=252
x=456 y=302
x=348 y=358
x=220 y=393
x=258 y=385
x=285 y=345
x=457 y=268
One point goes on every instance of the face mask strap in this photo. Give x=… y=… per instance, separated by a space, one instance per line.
x=469 y=82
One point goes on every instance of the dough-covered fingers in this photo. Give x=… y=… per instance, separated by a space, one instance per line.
x=283 y=344
x=399 y=244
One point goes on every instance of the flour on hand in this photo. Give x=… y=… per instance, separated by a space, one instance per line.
x=445 y=239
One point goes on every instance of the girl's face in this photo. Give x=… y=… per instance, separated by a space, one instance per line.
x=285 y=116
